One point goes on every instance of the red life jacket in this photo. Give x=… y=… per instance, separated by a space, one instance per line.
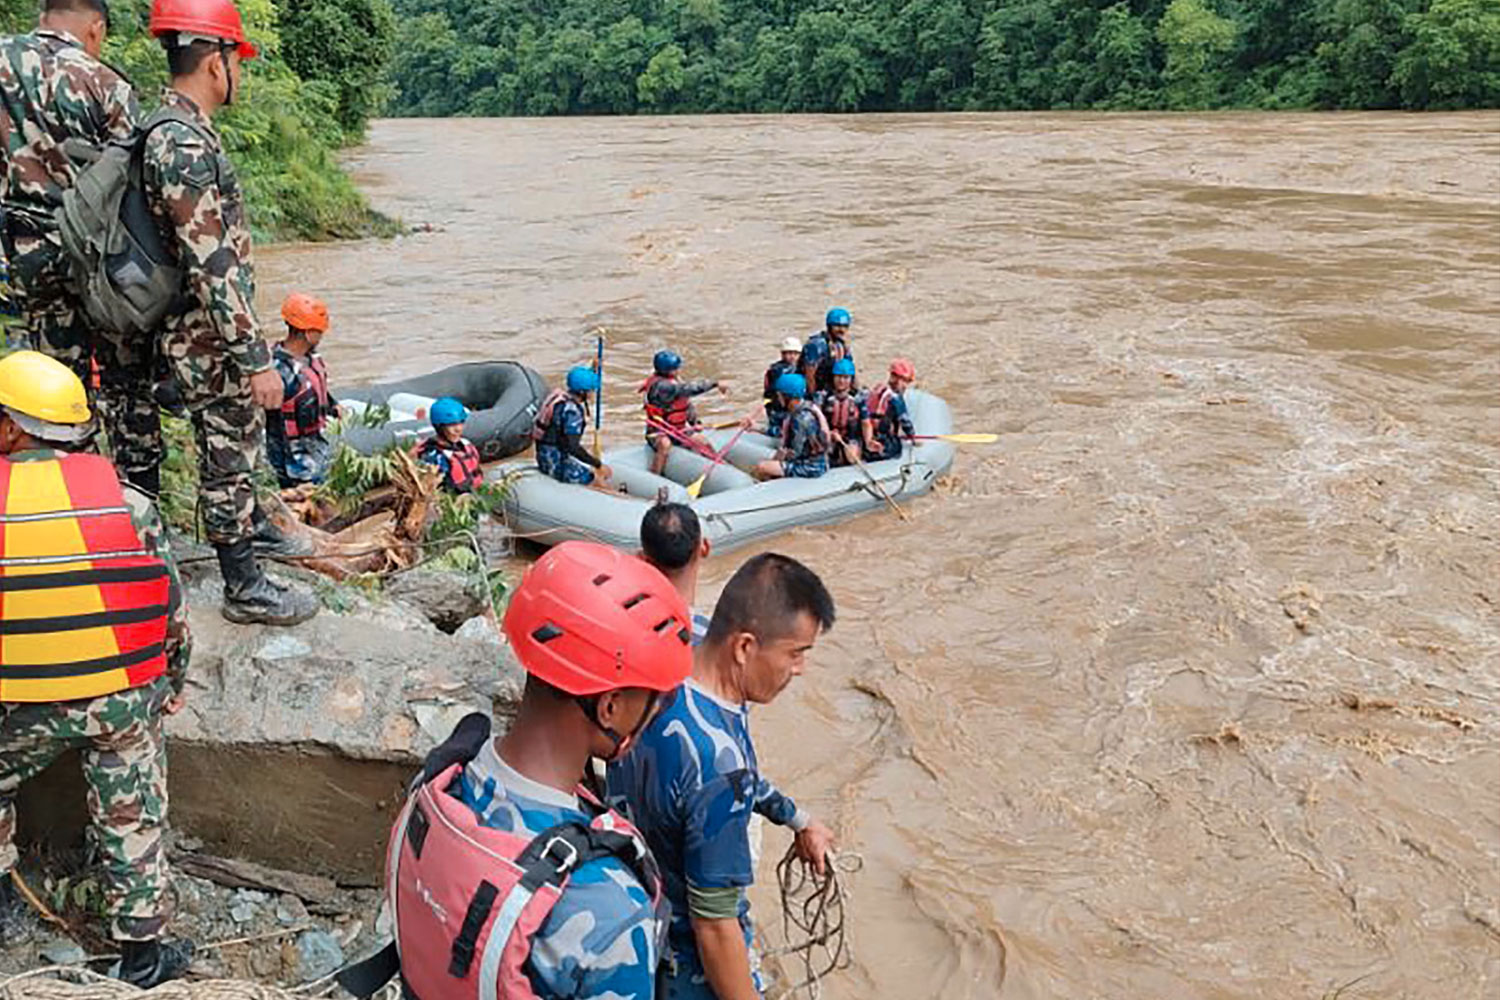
x=842 y=414
x=467 y=900
x=818 y=445
x=464 y=471
x=83 y=603
x=543 y=422
x=678 y=415
x=305 y=412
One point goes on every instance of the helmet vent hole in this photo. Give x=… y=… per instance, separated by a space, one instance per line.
x=685 y=636
x=546 y=633
x=638 y=598
x=663 y=625
x=601 y=579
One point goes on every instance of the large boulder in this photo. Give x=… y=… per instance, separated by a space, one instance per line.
x=295 y=743
x=445 y=599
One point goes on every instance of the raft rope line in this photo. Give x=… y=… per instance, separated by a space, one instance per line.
x=813 y=920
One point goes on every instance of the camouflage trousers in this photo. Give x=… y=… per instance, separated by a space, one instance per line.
x=59 y=328
x=228 y=428
x=125 y=765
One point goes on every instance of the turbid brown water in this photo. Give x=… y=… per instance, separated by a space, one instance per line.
x=1189 y=687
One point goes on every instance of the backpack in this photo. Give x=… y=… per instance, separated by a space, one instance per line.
x=127 y=279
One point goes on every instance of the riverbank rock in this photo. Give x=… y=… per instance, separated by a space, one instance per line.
x=445 y=599
x=295 y=744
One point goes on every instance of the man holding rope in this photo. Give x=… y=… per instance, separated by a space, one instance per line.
x=692 y=784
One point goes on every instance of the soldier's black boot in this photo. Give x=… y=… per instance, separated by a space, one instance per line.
x=252 y=598
x=273 y=543
x=150 y=963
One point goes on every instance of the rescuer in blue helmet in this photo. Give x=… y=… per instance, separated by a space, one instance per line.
x=823 y=349
x=671 y=418
x=804 y=436
x=843 y=409
x=448 y=449
x=558 y=432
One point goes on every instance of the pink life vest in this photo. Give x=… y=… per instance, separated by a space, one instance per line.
x=467 y=899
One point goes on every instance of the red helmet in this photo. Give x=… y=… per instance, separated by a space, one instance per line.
x=209 y=18
x=902 y=368
x=588 y=618
x=303 y=312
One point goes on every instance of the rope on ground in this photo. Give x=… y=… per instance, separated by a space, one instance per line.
x=812 y=918
x=97 y=987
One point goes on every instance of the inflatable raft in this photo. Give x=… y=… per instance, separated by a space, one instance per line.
x=734 y=508
x=502 y=397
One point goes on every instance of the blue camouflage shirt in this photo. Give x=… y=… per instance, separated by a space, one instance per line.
x=600 y=940
x=690 y=786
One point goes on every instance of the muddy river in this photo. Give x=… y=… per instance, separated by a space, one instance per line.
x=1190 y=687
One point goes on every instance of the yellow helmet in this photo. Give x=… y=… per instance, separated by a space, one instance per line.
x=44 y=397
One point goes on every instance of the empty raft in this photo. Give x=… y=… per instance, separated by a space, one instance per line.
x=502 y=398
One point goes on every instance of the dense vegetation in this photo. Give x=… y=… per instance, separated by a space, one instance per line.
x=539 y=57
x=313 y=90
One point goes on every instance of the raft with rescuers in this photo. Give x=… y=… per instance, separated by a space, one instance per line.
x=734 y=508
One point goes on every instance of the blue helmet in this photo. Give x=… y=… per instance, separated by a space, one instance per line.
x=582 y=378
x=791 y=384
x=447 y=411
x=844 y=366
x=666 y=362
x=837 y=317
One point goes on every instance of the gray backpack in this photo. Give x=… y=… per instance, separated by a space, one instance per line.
x=127 y=279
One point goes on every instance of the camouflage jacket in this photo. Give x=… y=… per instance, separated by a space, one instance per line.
x=199 y=204
x=51 y=90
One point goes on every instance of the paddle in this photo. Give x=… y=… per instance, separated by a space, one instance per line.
x=880 y=489
x=696 y=486
x=599 y=392
x=959 y=438
x=686 y=442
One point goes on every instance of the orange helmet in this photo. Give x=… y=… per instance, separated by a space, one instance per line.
x=204 y=18
x=303 y=312
x=902 y=368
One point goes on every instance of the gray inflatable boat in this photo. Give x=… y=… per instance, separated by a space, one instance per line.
x=734 y=508
x=502 y=398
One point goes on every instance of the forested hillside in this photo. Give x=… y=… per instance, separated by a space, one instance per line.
x=318 y=81
x=543 y=57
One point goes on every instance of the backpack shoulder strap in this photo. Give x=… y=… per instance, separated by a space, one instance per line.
x=154 y=121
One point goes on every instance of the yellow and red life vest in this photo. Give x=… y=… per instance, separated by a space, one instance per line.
x=83 y=602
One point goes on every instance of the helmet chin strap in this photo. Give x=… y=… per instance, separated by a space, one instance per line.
x=590 y=706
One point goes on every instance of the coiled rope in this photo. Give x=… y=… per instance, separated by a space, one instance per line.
x=813 y=918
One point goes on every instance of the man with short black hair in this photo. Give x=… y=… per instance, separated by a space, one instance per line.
x=693 y=783
x=672 y=541
x=212 y=341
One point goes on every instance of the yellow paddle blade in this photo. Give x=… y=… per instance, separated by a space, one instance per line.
x=696 y=486
x=969 y=438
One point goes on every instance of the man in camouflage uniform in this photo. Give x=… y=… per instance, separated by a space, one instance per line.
x=56 y=97
x=215 y=348
x=44 y=416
